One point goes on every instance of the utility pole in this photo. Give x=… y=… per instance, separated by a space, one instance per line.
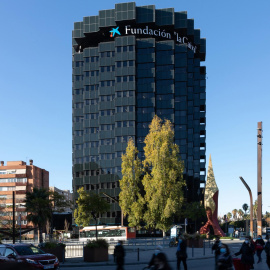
x=251 y=204
x=259 y=178
x=13 y=222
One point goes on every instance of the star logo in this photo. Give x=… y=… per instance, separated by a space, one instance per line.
x=115 y=31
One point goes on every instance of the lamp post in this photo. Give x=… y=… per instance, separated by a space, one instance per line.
x=251 y=205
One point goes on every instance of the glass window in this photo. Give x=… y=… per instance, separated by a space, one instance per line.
x=9 y=251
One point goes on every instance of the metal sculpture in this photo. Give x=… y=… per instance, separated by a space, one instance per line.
x=211 y=203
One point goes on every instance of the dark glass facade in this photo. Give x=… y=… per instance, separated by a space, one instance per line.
x=130 y=63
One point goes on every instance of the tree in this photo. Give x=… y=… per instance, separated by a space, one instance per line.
x=240 y=213
x=194 y=211
x=234 y=213
x=58 y=201
x=89 y=206
x=255 y=208
x=38 y=206
x=162 y=181
x=66 y=226
x=245 y=207
x=229 y=215
x=131 y=195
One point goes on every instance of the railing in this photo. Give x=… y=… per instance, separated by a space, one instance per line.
x=74 y=248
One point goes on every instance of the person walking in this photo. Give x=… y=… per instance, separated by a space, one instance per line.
x=152 y=261
x=267 y=251
x=259 y=246
x=247 y=254
x=119 y=255
x=161 y=262
x=181 y=253
x=224 y=260
x=216 y=248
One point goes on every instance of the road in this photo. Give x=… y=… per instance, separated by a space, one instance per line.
x=198 y=264
x=205 y=264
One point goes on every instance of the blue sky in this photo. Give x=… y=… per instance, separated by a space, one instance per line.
x=35 y=92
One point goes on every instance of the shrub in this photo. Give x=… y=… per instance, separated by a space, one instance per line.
x=51 y=245
x=99 y=243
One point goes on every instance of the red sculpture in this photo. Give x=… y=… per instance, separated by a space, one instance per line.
x=211 y=203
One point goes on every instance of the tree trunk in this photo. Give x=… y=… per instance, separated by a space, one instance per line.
x=96 y=230
x=164 y=234
x=40 y=234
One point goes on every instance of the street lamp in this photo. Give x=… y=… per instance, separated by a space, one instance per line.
x=251 y=204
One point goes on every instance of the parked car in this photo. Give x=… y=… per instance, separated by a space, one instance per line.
x=26 y=256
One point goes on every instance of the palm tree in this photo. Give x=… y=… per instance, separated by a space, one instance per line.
x=229 y=215
x=234 y=213
x=245 y=207
x=255 y=208
x=38 y=205
x=240 y=213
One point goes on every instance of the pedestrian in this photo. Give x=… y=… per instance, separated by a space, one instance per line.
x=267 y=251
x=252 y=242
x=161 y=262
x=224 y=260
x=181 y=253
x=247 y=253
x=216 y=248
x=259 y=246
x=152 y=261
x=119 y=254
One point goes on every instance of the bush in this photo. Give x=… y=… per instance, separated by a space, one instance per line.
x=51 y=245
x=227 y=237
x=100 y=243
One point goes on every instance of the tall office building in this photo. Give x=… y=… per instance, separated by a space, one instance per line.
x=130 y=63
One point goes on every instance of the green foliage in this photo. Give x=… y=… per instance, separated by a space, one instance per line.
x=38 y=205
x=162 y=181
x=240 y=213
x=245 y=207
x=255 y=208
x=99 y=243
x=229 y=215
x=195 y=236
x=238 y=224
x=234 y=213
x=193 y=211
x=58 y=201
x=210 y=236
x=130 y=197
x=89 y=205
x=52 y=245
x=226 y=237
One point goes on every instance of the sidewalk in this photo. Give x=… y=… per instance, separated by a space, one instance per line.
x=138 y=255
